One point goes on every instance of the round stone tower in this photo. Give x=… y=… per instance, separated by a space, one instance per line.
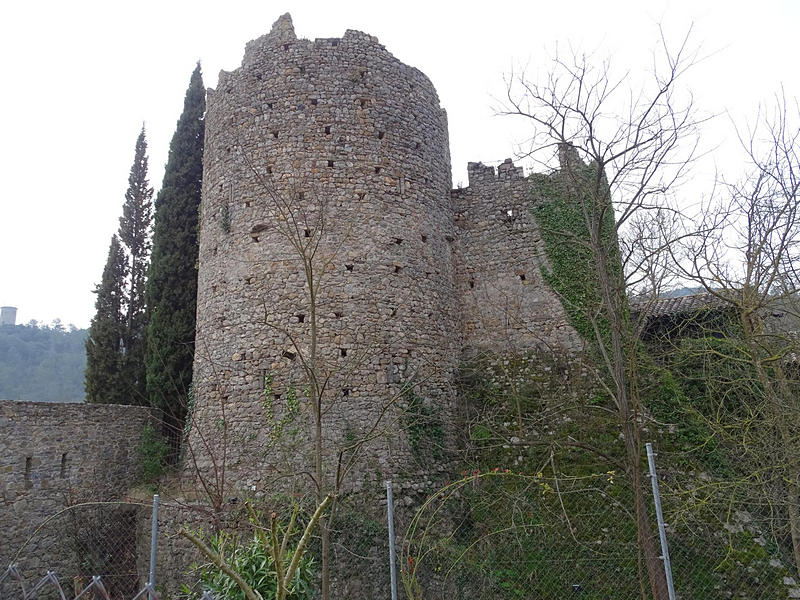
x=8 y=315
x=325 y=248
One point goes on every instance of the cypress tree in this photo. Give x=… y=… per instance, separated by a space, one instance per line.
x=104 y=344
x=134 y=232
x=172 y=280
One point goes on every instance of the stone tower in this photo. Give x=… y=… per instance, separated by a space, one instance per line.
x=333 y=248
x=326 y=167
x=8 y=315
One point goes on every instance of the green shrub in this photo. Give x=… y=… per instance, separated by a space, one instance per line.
x=255 y=565
x=154 y=452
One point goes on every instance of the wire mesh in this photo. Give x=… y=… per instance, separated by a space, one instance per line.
x=79 y=543
x=486 y=535
x=506 y=535
x=728 y=537
x=15 y=587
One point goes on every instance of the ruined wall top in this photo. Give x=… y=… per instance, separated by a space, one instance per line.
x=480 y=174
x=282 y=37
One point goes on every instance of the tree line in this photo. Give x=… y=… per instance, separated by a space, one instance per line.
x=41 y=363
x=140 y=345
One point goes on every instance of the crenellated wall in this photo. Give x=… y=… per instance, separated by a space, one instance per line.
x=327 y=166
x=506 y=307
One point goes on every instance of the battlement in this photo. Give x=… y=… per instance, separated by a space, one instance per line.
x=479 y=174
x=337 y=143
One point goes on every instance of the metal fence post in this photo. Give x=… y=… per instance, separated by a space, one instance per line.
x=151 y=582
x=662 y=533
x=392 y=559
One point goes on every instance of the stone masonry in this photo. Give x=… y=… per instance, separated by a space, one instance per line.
x=327 y=163
x=57 y=454
x=330 y=236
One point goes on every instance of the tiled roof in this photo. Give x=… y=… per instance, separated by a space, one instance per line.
x=676 y=305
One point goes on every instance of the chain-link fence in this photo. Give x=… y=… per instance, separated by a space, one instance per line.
x=72 y=547
x=728 y=537
x=495 y=534
x=511 y=535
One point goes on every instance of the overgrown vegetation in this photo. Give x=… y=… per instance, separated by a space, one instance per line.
x=423 y=424
x=255 y=564
x=570 y=269
x=154 y=453
x=720 y=407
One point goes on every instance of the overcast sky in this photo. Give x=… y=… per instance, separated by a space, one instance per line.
x=80 y=78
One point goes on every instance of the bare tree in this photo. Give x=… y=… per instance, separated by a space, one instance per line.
x=307 y=236
x=744 y=253
x=620 y=151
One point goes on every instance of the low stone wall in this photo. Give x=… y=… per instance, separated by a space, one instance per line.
x=54 y=455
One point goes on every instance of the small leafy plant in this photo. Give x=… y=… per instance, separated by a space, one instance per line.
x=267 y=569
x=254 y=563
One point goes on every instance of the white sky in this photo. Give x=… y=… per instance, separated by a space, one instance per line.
x=80 y=77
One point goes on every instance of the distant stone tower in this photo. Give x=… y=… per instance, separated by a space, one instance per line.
x=327 y=167
x=336 y=147
x=8 y=315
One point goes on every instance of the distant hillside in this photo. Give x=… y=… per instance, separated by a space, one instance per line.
x=42 y=363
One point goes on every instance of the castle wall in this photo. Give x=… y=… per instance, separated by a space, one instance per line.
x=506 y=307
x=327 y=157
x=53 y=455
